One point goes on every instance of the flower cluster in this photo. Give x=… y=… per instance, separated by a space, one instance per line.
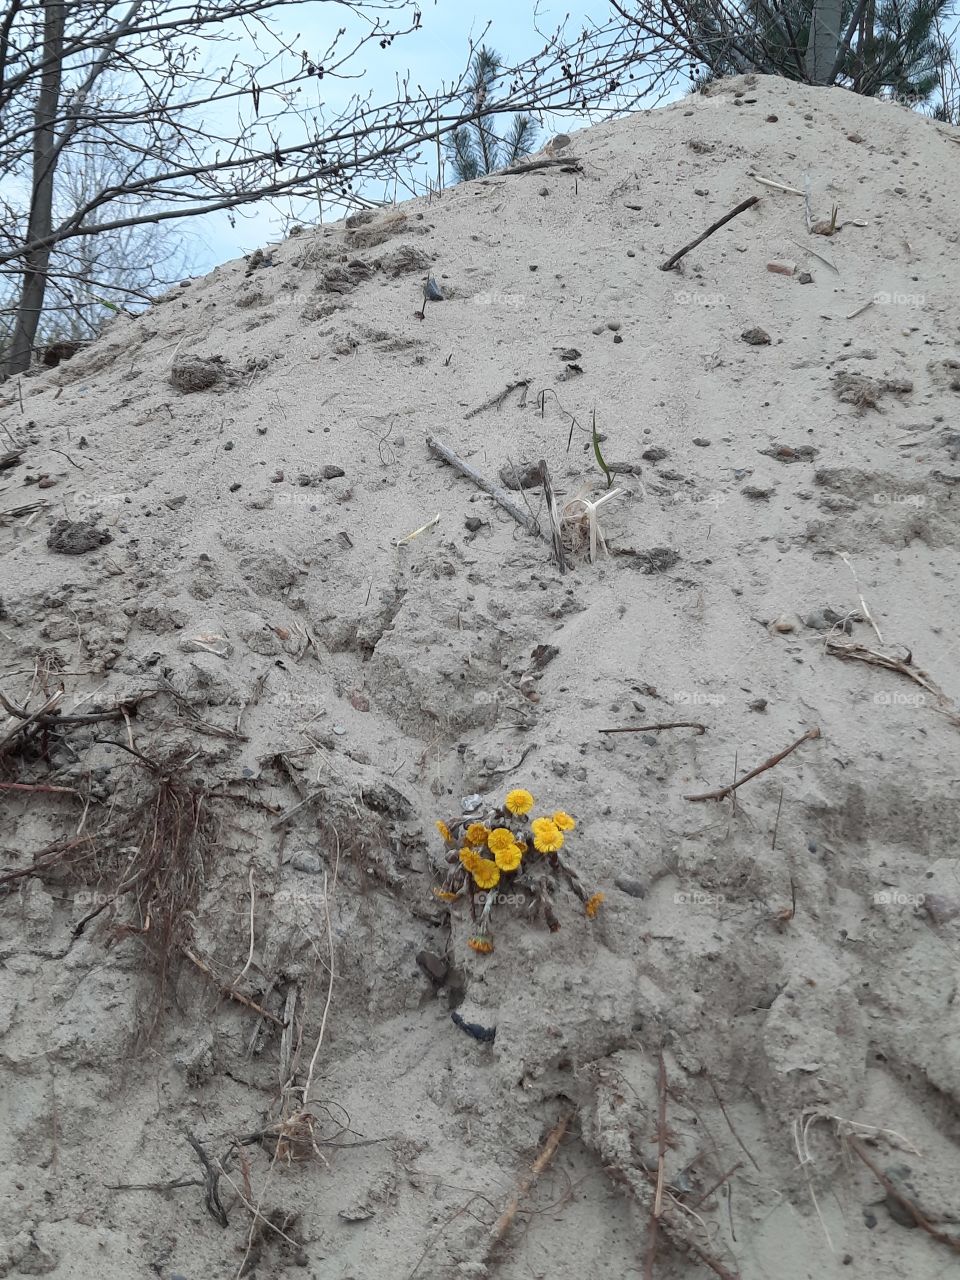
x=507 y=847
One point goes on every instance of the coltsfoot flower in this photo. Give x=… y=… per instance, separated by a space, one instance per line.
x=476 y=834
x=519 y=801
x=508 y=859
x=481 y=943
x=470 y=857
x=564 y=821
x=547 y=836
x=592 y=905
x=445 y=895
x=500 y=839
x=444 y=831
x=486 y=874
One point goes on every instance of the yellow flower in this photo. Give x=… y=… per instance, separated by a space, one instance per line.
x=592 y=905
x=563 y=820
x=445 y=895
x=444 y=831
x=476 y=833
x=485 y=873
x=508 y=859
x=547 y=836
x=519 y=801
x=470 y=858
x=500 y=839
x=481 y=944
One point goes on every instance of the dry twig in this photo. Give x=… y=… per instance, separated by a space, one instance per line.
x=496 y=402
x=722 y=792
x=905 y=666
x=503 y=1224
x=672 y=261
x=523 y=518
x=670 y=724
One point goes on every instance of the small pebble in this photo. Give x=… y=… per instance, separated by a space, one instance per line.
x=805 y=278
x=307 y=862
x=627 y=884
x=701 y=442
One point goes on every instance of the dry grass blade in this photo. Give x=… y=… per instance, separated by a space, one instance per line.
x=582 y=510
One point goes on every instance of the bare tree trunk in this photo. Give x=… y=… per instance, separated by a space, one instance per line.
x=870 y=47
x=824 y=41
x=40 y=223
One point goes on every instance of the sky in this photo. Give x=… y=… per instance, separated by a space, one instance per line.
x=435 y=53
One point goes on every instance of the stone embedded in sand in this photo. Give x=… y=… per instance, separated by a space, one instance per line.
x=196 y=373
x=76 y=537
x=756 y=337
x=825 y=619
x=627 y=884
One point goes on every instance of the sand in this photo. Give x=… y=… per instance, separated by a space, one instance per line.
x=309 y=689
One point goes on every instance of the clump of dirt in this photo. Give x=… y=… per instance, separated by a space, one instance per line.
x=197 y=373
x=76 y=537
x=864 y=392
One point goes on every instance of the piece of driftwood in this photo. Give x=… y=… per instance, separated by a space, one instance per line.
x=672 y=261
x=500 y=496
x=569 y=164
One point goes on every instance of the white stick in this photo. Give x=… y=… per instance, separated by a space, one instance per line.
x=777 y=186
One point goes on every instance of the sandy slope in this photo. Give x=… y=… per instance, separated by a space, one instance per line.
x=388 y=682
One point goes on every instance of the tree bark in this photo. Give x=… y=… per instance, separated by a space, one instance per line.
x=823 y=41
x=40 y=223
